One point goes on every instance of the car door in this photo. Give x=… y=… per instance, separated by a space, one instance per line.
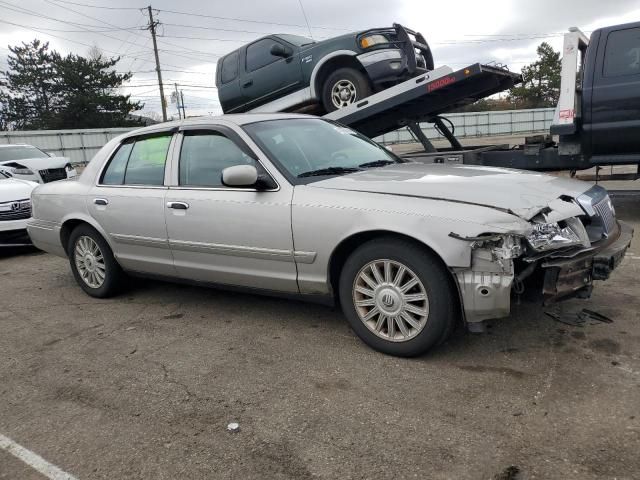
x=128 y=203
x=235 y=236
x=266 y=76
x=615 y=99
x=228 y=82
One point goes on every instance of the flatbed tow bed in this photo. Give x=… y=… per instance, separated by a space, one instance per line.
x=423 y=99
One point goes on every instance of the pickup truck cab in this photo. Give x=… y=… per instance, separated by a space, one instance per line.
x=598 y=113
x=611 y=95
x=286 y=72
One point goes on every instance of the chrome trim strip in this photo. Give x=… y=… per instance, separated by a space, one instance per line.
x=233 y=250
x=370 y=58
x=43 y=224
x=140 y=241
x=304 y=257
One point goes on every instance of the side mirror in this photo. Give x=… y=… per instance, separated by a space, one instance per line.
x=240 y=176
x=278 y=50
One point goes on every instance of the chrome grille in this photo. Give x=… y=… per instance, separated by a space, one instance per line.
x=605 y=211
x=18 y=210
x=601 y=221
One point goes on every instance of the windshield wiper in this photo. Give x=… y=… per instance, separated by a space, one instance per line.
x=376 y=163
x=329 y=171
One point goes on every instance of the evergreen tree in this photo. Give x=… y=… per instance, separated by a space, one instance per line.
x=45 y=90
x=28 y=95
x=541 y=86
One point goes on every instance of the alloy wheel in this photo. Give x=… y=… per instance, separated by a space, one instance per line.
x=390 y=300
x=89 y=261
x=343 y=93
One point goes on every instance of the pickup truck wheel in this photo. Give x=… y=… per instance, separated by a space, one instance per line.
x=93 y=264
x=397 y=297
x=344 y=87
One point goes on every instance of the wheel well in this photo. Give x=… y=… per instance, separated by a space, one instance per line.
x=350 y=244
x=65 y=232
x=342 y=61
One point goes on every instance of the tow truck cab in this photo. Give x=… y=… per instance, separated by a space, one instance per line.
x=611 y=96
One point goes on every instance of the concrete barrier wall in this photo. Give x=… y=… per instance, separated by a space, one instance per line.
x=78 y=145
x=482 y=124
x=81 y=145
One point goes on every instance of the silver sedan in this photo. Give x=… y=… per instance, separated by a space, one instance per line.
x=302 y=206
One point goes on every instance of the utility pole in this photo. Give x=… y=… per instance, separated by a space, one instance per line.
x=184 y=114
x=176 y=95
x=152 y=28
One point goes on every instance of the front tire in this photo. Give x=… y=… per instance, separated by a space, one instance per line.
x=344 y=87
x=397 y=297
x=93 y=264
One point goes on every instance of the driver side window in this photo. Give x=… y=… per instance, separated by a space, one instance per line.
x=204 y=156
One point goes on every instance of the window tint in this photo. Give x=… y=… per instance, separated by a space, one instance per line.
x=146 y=162
x=622 y=55
x=229 y=68
x=259 y=54
x=205 y=155
x=114 y=174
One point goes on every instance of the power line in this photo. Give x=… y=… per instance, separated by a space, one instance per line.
x=193 y=14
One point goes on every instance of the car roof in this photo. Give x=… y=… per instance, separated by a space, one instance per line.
x=236 y=118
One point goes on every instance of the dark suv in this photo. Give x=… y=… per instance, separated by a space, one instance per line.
x=286 y=72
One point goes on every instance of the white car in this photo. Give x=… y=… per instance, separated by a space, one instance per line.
x=27 y=162
x=15 y=210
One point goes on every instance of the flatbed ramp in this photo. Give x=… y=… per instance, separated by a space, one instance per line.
x=423 y=98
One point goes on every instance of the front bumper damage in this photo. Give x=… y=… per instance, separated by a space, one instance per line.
x=568 y=277
x=486 y=287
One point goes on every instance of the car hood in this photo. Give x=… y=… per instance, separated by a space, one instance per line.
x=40 y=163
x=14 y=189
x=518 y=192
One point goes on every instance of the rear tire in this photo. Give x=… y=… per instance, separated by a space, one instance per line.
x=93 y=264
x=344 y=87
x=404 y=309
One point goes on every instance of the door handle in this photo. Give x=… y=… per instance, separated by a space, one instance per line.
x=178 y=205
x=101 y=201
x=248 y=83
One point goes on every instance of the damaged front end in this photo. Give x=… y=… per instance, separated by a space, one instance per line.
x=568 y=244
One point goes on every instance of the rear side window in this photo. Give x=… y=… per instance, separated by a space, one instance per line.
x=229 y=68
x=140 y=162
x=622 y=54
x=203 y=157
x=259 y=54
x=114 y=174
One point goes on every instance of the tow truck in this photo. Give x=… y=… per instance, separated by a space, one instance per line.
x=596 y=121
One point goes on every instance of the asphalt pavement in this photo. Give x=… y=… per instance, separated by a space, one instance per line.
x=143 y=386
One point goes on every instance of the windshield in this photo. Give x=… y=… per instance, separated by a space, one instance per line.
x=314 y=147
x=19 y=152
x=296 y=40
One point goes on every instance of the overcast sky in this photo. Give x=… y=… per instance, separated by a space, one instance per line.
x=460 y=31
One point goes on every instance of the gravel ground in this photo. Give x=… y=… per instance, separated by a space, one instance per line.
x=143 y=386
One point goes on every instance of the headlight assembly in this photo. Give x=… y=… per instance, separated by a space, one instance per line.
x=21 y=171
x=371 y=40
x=551 y=236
